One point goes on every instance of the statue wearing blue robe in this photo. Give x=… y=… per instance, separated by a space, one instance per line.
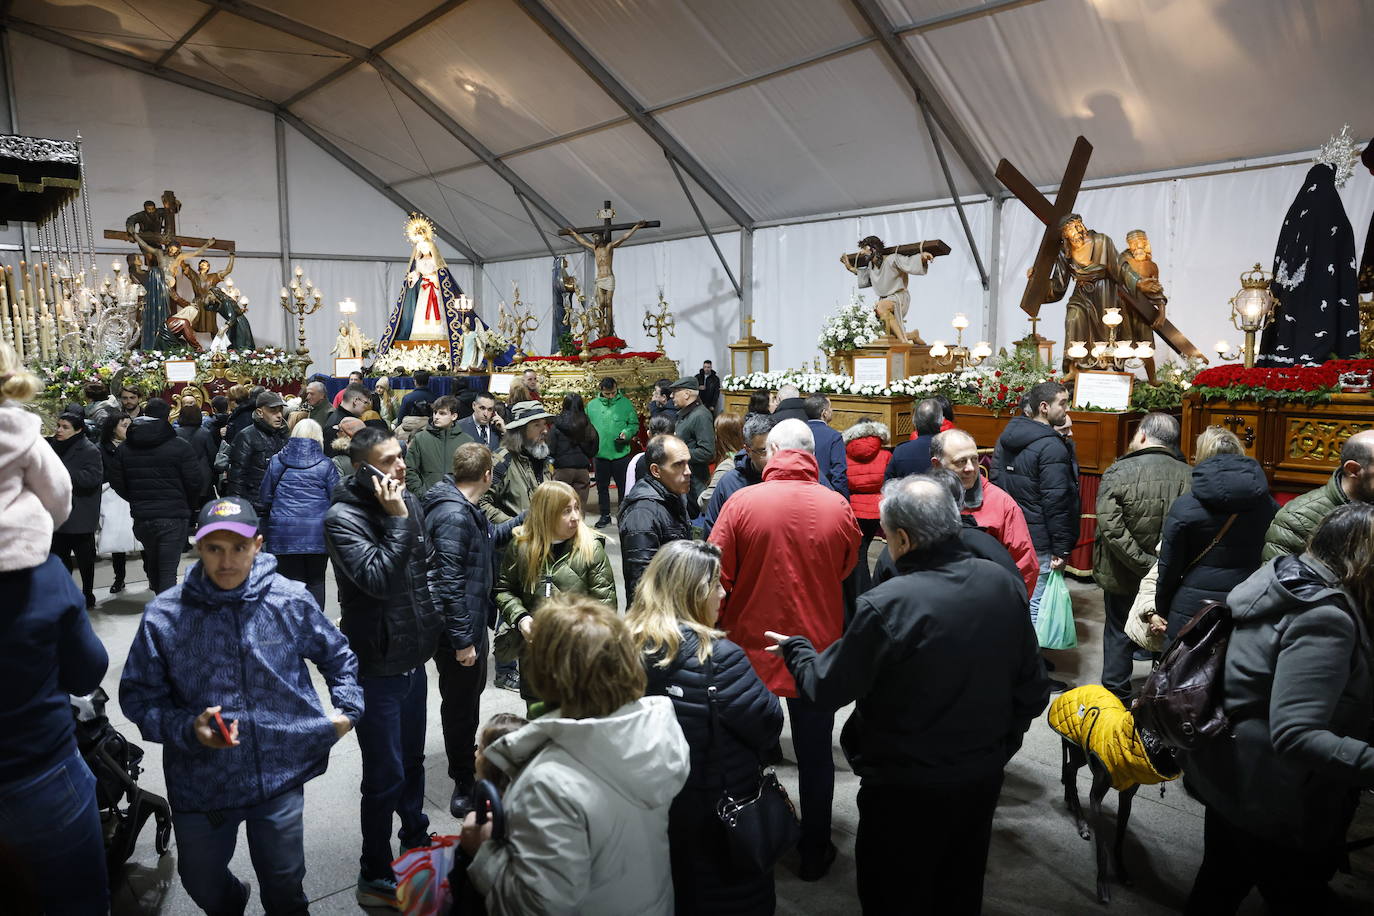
x=402 y=321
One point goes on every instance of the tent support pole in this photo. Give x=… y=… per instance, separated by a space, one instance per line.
x=283 y=220
x=953 y=191
x=704 y=228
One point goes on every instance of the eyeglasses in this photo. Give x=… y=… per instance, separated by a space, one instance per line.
x=756 y=451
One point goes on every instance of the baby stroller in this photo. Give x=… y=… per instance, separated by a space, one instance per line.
x=115 y=762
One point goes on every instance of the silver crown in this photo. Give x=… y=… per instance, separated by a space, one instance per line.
x=1339 y=152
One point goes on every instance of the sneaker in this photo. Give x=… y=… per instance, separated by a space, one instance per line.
x=90 y=601
x=509 y=681
x=117 y=587
x=460 y=802
x=378 y=892
x=1057 y=686
x=603 y=521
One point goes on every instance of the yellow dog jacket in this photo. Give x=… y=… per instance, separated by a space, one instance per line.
x=1095 y=720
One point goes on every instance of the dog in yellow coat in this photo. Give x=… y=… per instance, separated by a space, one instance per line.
x=1096 y=728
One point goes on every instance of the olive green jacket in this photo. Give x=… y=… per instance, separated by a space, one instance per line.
x=1132 y=503
x=1290 y=529
x=568 y=573
x=429 y=456
x=514 y=477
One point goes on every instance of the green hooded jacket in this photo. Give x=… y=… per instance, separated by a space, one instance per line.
x=612 y=417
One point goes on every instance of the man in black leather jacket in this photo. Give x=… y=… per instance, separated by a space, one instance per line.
x=655 y=510
x=376 y=539
x=461 y=578
x=254 y=447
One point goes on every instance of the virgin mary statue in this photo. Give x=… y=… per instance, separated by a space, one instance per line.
x=426 y=311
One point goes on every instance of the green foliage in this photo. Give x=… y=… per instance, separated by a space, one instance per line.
x=566 y=346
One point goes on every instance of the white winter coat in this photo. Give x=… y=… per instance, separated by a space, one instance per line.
x=587 y=815
x=35 y=490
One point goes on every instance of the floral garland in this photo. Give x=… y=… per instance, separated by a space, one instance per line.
x=406 y=360
x=143 y=370
x=853 y=326
x=1303 y=384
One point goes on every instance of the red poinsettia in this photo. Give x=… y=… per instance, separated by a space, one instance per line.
x=593 y=359
x=607 y=343
x=1313 y=379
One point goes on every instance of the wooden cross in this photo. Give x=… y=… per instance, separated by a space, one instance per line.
x=1051 y=243
x=935 y=247
x=604 y=230
x=170 y=206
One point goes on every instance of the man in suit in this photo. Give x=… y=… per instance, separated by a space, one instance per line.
x=485 y=424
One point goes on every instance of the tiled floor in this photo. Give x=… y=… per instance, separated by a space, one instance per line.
x=1038 y=865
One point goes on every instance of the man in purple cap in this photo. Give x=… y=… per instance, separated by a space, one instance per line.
x=217 y=676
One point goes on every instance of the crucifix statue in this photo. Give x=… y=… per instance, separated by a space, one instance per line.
x=886 y=270
x=597 y=240
x=1101 y=276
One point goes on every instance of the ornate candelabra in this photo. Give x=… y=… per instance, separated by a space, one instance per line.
x=959 y=355
x=516 y=323
x=300 y=300
x=584 y=322
x=660 y=322
x=1111 y=353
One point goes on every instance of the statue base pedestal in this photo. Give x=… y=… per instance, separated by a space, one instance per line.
x=883 y=361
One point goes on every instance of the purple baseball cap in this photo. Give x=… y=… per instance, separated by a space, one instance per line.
x=229 y=513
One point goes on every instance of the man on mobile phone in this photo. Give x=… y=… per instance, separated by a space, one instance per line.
x=229 y=645
x=376 y=539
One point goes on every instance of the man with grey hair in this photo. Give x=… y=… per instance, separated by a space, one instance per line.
x=913 y=457
x=791 y=405
x=1133 y=500
x=749 y=464
x=787 y=546
x=928 y=741
x=316 y=401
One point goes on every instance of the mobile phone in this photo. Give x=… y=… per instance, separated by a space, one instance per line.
x=367 y=472
x=223 y=729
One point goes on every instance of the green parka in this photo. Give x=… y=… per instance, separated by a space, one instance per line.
x=612 y=417
x=429 y=456
x=514 y=477
x=1290 y=529
x=1132 y=503
x=570 y=573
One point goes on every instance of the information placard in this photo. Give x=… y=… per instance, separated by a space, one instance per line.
x=180 y=370
x=1103 y=390
x=500 y=383
x=343 y=365
x=870 y=370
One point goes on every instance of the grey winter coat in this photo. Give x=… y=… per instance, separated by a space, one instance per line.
x=1298 y=693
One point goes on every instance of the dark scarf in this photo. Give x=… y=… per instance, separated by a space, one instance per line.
x=1318 y=316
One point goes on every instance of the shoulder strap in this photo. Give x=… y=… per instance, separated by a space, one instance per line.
x=712 y=721
x=1216 y=540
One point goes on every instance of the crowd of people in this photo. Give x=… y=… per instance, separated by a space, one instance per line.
x=454 y=526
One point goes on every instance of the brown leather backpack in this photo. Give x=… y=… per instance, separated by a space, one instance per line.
x=1182 y=698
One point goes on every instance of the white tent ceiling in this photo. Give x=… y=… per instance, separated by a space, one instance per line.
x=791 y=108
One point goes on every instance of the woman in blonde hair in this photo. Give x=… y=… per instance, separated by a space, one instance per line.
x=591 y=783
x=673 y=620
x=1213 y=535
x=552 y=553
x=296 y=493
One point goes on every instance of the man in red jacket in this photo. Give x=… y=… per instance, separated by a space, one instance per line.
x=991 y=507
x=787 y=545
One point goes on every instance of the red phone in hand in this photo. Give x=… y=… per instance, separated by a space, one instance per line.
x=223 y=730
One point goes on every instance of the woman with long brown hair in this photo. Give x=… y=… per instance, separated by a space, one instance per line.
x=573 y=443
x=729 y=443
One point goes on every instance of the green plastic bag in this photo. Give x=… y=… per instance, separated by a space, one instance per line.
x=1054 y=624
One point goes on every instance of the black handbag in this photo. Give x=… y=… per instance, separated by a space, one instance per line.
x=761 y=828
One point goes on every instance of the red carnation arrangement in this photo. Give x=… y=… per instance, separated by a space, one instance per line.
x=1290 y=383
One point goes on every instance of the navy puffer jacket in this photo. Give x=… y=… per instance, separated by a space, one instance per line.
x=1033 y=463
x=748 y=716
x=295 y=493
x=463 y=574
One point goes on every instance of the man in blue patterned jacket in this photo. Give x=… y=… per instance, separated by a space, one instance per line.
x=232 y=640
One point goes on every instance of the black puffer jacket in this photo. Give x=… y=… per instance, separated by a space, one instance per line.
x=381 y=564
x=203 y=444
x=1222 y=485
x=240 y=419
x=82 y=460
x=1033 y=464
x=567 y=450
x=463 y=572
x=650 y=518
x=748 y=716
x=157 y=472
x=249 y=455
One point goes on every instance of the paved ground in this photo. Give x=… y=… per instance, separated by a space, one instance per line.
x=1038 y=865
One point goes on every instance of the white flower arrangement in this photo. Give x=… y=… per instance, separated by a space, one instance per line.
x=853 y=326
x=399 y=361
